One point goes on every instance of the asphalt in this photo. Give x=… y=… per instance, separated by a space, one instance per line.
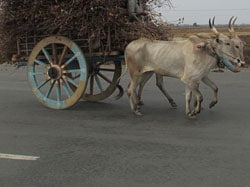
x=105 y=144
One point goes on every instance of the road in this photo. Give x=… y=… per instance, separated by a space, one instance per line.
x=104 y=144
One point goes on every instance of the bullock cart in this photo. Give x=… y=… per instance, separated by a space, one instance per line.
x=62 y=70
x=78 y=52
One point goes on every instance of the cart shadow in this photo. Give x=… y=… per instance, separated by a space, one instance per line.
x=95 y=106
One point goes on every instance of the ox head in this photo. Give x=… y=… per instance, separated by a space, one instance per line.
x=225 y=48
x=238 y=43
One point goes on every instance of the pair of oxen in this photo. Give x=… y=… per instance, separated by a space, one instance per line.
x=189 y=60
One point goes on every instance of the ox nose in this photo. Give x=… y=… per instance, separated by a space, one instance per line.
x=240 y=62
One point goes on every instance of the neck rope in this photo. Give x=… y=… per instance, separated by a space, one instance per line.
x=213 y=54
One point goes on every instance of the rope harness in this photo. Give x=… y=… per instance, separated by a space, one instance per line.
x=212 y=53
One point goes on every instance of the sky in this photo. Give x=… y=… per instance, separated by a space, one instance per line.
x=199 y=11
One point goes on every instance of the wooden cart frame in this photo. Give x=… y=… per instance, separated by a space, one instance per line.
x=60 y=73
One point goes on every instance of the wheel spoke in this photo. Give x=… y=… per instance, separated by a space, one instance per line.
x=99 y=84
x=75 y=77
x=69 y=61
x=98 y=64
x=54 y=53
x=105 y=78
x=107 y=69
x=43 y=83
x=46 y=54
x=71 y=71
x=91 y=87
x=71 y=81
x=62 y=55
x=39 y=62
x=67 y=88
x=50 y=89
x=58 y=91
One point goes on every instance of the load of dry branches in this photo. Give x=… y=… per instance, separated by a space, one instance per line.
x=93 y=19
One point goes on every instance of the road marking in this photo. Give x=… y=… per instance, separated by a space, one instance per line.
x=17 y=157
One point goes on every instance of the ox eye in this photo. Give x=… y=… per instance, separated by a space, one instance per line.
x=237 y=46
x=227 y=43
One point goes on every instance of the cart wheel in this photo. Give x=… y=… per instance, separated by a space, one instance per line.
x=103 y=80
x=57 y=72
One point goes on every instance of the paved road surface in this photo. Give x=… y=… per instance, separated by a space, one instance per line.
x=104 y=144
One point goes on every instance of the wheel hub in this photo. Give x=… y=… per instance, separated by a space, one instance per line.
x=55 y=72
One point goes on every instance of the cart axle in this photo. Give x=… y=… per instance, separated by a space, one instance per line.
x=55 y=72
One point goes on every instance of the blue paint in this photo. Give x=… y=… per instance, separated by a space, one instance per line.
x=228 y=64
x=45 y=52
x=82 y=61
x=58 y=92
x=39 y=62
x=203 y=45
x=70 y=60
x=67 y=89
x=72 y=81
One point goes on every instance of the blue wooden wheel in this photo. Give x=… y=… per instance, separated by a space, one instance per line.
x=57 y=72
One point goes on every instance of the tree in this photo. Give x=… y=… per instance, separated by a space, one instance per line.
x=195 y=25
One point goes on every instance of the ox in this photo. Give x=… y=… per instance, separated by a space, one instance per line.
x=179 y=59
x=239 y=46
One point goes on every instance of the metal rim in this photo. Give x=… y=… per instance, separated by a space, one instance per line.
x=57 y=72
x=102 y=81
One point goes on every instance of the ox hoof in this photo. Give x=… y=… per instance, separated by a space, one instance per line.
x=137 y=113
x=197 y=111
x=191 y=116
x=140 y=103
x=174 y=105
x=212 y=104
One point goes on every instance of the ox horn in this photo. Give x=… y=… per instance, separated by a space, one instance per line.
x=211 y=25
x=231 y=25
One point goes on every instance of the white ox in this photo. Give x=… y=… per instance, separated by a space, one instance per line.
x=239 y=46
x=179 y=59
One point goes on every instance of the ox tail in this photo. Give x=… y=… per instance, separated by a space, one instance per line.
x=126 y=68
x=122 y=75
x=121 y=91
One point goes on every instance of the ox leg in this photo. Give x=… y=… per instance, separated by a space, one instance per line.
x=195 y=100
x=199 y=99
x=159 y=83
x=133 y=96
x=146 y=76
x=213 y=86
x=188 y=97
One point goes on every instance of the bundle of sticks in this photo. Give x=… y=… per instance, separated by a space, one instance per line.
x=93 y=19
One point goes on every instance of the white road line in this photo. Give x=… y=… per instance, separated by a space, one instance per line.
x=17 y=157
